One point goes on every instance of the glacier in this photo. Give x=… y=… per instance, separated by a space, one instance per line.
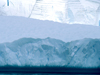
x=63 y=11
x=51 y=52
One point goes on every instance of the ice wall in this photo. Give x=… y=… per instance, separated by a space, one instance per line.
x=64 y=11
x=51 y=52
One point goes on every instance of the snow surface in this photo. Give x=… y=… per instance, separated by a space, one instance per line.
x=13 y=28
x=51 y=52
x=64 y=11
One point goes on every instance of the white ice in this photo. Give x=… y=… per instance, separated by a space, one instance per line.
x=64 y=11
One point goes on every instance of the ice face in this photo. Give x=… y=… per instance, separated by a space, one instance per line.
x=51 y=52
x=64 y=11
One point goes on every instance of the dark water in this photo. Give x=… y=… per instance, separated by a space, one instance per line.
x=9 y=70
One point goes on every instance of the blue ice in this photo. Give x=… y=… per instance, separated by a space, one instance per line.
x=7 y=2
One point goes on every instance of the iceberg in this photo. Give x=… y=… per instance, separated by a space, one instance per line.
x=73 y=44
x=51 y=52
x=63 y=11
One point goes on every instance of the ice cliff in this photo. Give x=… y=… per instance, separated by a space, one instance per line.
x=64 y=11
x=51 y=52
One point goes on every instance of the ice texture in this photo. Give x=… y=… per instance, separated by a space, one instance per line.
x=64 y=11
x=51 y=52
